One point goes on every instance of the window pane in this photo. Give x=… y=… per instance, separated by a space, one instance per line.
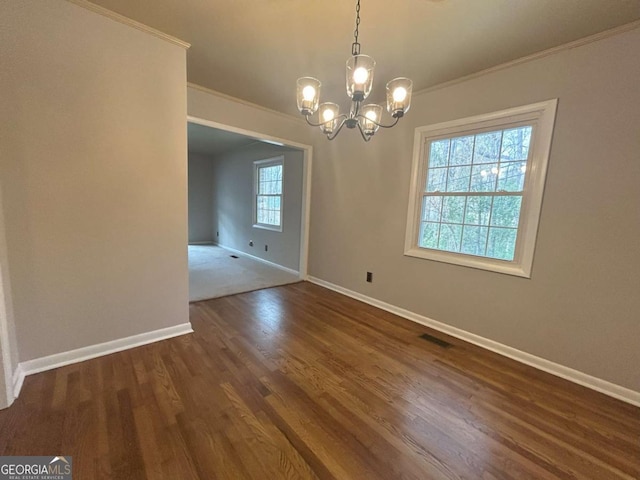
x=506 y=211
x=453 y=209
x=439 y=153
x=429 y=235
x=487 y=147
x=436 y=180
x=515 y=144
x=478 y=210
x=268 y=209
x=461 y=150
x=270 y=180
x=511 y=178
x=431 y=207
x=278 y=180
x=458 y=179
x=474 y=240
x=482 y=180
x=450 y=236
x=502 y=243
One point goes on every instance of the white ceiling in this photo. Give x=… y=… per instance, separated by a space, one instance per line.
x=213 y=141
x=256 y=49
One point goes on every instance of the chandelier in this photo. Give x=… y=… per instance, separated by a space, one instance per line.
x=367 y=118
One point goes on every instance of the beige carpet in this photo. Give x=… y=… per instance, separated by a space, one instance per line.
x=214 y=273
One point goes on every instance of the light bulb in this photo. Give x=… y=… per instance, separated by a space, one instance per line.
x=327 y=115
x=371 y=115
x=360 y=75
x=523 y=168
x=483 y=173
x=308 y=93
x=399 y=94
x=494 y=170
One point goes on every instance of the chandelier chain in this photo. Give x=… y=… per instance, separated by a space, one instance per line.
x=355 y=47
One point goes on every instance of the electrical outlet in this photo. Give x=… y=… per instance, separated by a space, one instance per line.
x=266 y=248
x=369 y=277
x=251 y=243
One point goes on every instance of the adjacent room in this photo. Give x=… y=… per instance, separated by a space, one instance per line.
x=450 y=188
x=246 y=199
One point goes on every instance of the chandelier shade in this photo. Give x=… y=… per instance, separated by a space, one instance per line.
x=328 y=114
x=399 y=96
x=369 y=121
x=308 y=95
x=359 y=76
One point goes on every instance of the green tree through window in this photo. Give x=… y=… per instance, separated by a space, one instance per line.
x=473 y=194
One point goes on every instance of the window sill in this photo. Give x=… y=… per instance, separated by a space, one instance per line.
x=273 y=228
x=482 y=263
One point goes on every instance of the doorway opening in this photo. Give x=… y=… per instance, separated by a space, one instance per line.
x=249 y=197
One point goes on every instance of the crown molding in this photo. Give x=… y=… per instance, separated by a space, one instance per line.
x=627 y=27
x=224 y=96
x=127 y=21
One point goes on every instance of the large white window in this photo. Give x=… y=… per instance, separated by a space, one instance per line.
x=268 y=193
x=476 y=190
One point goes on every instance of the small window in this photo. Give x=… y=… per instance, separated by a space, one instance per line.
x=477 y=188
x=268 y=193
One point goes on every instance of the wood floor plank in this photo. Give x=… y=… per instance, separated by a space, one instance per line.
x=299 y=382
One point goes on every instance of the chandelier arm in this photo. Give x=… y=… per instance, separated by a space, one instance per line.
x=343 y=116
x=333 y=135
x=365 y=137
x=378 y=124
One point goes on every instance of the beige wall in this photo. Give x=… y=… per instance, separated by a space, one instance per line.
x=200 y=199
x=581 y=307
x=233 y=204
x=93 y=175
x=249 y=119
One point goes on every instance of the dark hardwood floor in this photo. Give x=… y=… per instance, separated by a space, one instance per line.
x=301 y=382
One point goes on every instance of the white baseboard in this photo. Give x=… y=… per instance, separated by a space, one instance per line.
x=594 y=383
x=205 y=242
x=50 y=362
x=285 y=269
x=18 y=380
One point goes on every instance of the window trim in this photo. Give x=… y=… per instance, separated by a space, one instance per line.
x=268 y=162
x=542 y=117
